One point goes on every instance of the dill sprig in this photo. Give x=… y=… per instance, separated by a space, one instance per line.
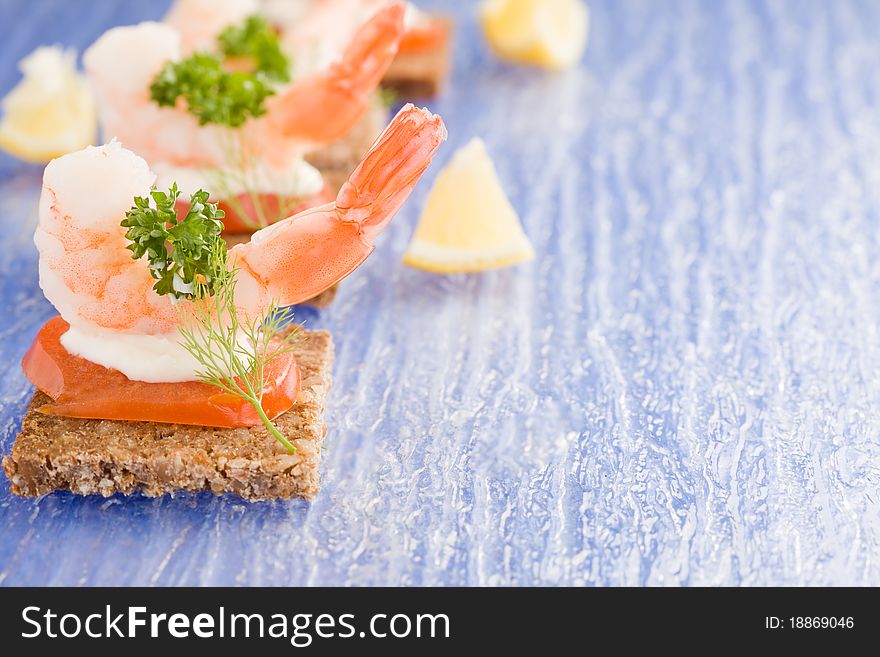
x=238 y=185
x=234 y=353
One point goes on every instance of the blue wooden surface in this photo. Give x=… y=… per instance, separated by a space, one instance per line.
x=683 y=388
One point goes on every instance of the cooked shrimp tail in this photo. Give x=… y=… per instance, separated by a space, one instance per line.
x=305 y=254
x=384 y=179
x=324 y=106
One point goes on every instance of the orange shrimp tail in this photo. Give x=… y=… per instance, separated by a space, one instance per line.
x=305 y=254
x=384 y=179
x=323 y=107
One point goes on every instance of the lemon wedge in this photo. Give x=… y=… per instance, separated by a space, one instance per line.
x=468 y=223
x=51 y=111
x=548 y=33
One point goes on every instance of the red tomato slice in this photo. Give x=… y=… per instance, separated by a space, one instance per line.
x=424 y=37
x=81 y=388
x=242 y=216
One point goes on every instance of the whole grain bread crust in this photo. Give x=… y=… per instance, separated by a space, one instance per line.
x=108 y=456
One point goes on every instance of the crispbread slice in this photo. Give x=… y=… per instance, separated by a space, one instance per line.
x=109 y=456
x=324 y=299
x=421 y=74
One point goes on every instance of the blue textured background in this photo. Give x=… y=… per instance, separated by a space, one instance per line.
x=683 y=388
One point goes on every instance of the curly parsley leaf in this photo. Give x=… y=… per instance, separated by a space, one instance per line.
x=212 y=94
x=215 y=94
x=256 y=39
x=187 y=257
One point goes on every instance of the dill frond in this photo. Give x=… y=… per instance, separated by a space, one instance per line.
x=233 y=353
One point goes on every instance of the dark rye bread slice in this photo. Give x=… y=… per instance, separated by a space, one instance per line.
x=109 y=456
x=324 y=299
x=421 y=74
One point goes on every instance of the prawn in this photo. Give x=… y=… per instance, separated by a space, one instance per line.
x=87 y=272
x=313 y=110
x=316 y=30
x=198 y=22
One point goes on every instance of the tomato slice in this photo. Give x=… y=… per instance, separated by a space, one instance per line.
x=432 y=34
x=81 y=388
x=242 y=216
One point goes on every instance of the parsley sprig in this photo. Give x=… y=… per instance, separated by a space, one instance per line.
x=212 y=94
x=215 y=95
x=182 y=253
x=256 y=39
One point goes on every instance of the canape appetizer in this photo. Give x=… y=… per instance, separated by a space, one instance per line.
x=213 y=101
x=422 y=62
x=171 y=365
